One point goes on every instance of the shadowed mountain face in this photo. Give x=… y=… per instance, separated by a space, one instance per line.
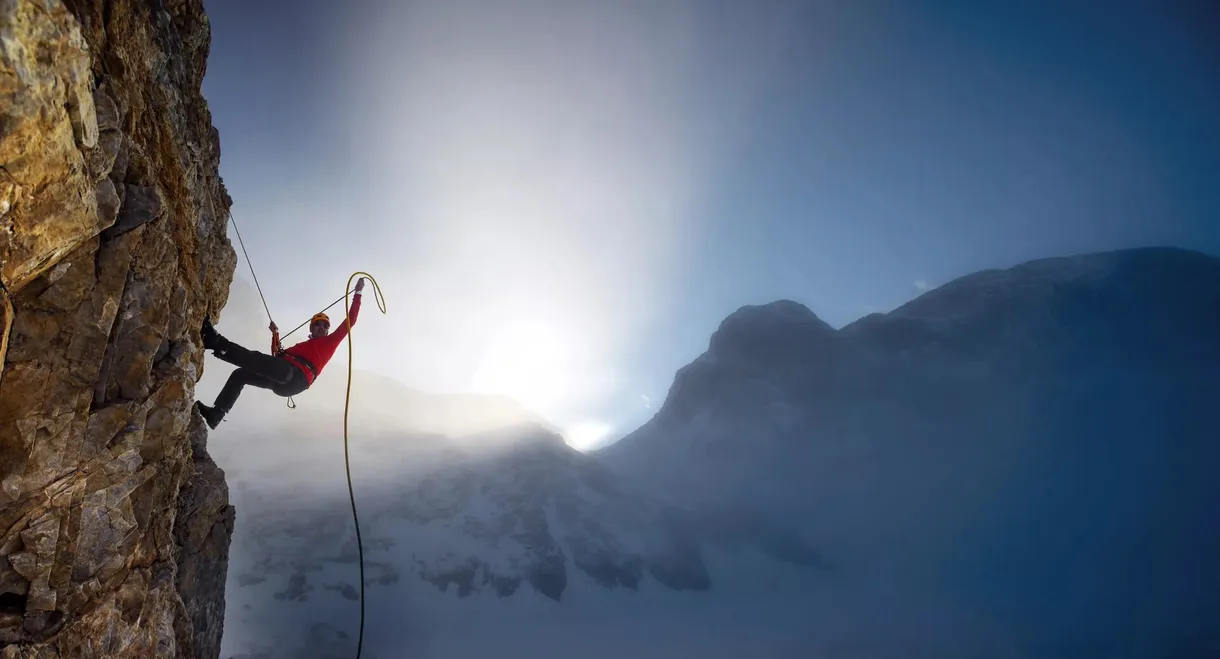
x=1039 y=441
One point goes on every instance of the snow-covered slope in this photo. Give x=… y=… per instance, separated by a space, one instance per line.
x=497 y=521
x=1040 y=441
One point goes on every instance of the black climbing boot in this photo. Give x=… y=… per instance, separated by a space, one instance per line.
x=211 y=338
x=213 y=415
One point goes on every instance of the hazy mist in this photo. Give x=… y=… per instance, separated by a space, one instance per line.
x=563 y=201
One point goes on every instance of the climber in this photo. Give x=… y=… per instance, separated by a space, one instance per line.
x=285 y=372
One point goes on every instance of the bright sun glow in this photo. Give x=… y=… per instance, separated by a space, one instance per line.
x=535 y=194
x=531 y=361
x=587 y=435
x=526 y=361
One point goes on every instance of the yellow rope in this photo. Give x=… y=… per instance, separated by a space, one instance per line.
x=347 y=401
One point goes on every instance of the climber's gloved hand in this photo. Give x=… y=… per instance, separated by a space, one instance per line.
x=272 y=327
x=360 y=285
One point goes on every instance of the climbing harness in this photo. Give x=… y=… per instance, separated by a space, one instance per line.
x=292 y=405
x=347 y=399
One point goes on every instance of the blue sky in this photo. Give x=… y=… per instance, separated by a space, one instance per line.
x=562 y=199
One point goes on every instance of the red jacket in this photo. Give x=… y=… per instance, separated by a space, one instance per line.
x=318 y=351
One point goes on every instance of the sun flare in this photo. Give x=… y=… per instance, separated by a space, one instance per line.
x=524 y=360
x=587 y=435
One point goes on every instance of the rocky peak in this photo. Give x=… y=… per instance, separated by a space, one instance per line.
x=769 y=331
x=755 y=350
x=114 y=521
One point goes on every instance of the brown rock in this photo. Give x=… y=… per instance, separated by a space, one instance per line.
x=203 y=545
x=114 y=522
x=122 y=158
x=100 y=159
x=141 y=205
x=44 y=85
x=107 y=203
x=107 y=111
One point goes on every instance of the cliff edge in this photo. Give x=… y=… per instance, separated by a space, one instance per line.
x=114 y=521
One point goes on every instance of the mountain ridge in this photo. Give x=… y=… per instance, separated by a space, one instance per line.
x=794 y=332
x=1046 y=428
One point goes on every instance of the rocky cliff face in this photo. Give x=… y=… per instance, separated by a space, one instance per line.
x=114 y=522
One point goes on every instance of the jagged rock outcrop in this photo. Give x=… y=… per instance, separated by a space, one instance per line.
x=114 y=522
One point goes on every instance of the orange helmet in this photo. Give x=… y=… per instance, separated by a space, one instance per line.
x=319 y=317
